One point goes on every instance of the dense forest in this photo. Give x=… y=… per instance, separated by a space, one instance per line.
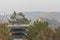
x=37 y=31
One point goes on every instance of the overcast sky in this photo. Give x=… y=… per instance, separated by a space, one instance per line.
x=8 y=6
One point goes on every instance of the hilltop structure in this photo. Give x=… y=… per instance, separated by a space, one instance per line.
x=17 y=29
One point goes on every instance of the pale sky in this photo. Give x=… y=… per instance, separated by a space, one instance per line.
x=8 y=6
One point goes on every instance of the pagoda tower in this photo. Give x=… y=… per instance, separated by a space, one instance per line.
x=17 y=30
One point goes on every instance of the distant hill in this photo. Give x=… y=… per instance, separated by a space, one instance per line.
x=50 y=15
x=52 y=22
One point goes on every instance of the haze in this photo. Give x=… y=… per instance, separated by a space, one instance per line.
x=8 y=6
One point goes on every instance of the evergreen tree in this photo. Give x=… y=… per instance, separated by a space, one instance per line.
x=13 y=16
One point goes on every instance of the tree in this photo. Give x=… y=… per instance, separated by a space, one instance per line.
x=4 y=34
x=25 y=21
x=57 y=30
x=35 y=30
x=41 y=31
x=13 y=15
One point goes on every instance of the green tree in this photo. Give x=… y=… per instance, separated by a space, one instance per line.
x=13 y=15
x=35 y=30
x=25 y=21
x=57 y=30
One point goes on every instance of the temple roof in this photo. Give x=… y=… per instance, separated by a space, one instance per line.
x=21 y=25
